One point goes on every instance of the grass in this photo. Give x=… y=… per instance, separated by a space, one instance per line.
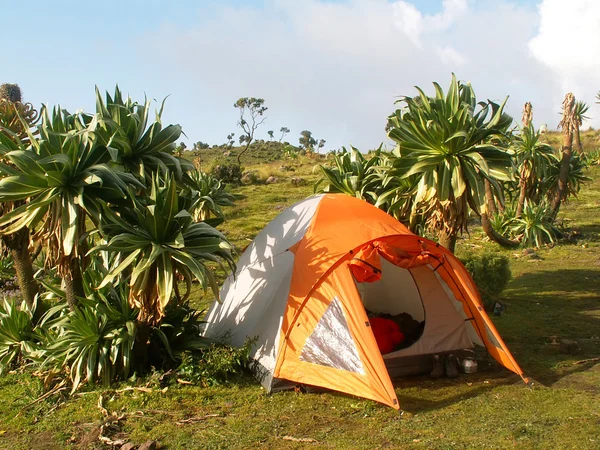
x=554 y=296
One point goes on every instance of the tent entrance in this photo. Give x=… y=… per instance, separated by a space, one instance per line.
x=418 y=292
x=395 y=297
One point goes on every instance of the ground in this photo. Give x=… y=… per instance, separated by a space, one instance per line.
x=554 y=295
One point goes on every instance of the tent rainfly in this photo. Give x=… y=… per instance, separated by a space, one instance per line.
x=304 y=285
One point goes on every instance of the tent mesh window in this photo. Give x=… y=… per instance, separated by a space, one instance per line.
x=331 y=344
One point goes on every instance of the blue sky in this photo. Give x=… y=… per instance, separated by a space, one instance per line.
x=333 y=67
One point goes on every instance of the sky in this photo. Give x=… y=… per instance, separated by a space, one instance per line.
x=333 y=67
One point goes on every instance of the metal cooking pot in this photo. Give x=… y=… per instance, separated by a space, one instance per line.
x=468 y=365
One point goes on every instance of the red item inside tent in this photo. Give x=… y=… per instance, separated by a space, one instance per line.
x=387 y=334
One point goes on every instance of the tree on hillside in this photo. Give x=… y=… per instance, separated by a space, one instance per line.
x=284 y=131
x=251 y=117
x=320 y=145
x=200 y=145
x=180 y=149
x=271 y=134
x=230 y=140
x=306 y=140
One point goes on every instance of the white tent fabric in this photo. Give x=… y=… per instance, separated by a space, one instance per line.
x=254 y=300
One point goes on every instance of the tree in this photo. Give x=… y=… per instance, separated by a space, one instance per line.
x=142 y=148
x=271 y=135
x=16 y=117
x=445 y=141
x=320 y=144
x=251 y=117
x=180 y=149
x=283 y=131
x=200 y=146
x=307 y=142
x=568 y=126
x=78 y=163
x=230 y=140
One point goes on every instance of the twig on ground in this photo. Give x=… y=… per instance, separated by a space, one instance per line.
x=294 y=439
x=55 y=390
x=196 y=419
x=583 y=361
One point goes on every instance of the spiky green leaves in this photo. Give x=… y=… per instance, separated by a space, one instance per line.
x=447 y=141
x=62 y=174
x=142 y=149
x=156 y=239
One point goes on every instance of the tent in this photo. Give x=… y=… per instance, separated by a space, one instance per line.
x=303 y=287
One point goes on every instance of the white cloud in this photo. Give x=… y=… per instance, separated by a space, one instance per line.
x=568 y=42
x=451 y=57
x=336 y=68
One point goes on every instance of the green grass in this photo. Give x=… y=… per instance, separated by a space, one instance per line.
x=554 y=297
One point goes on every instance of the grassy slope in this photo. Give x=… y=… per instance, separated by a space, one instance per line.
x=557 y=295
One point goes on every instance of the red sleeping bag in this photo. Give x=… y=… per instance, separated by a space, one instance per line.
x=387 y=334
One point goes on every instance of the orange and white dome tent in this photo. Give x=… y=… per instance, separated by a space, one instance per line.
x=302 y=286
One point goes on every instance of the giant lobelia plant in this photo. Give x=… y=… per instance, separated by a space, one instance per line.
x=445 y=141
x=16 y=118
x=143 y=148
x=369 y=179
x=207 y=194
x=533 y=160
x=63 y=174
x=157 y=238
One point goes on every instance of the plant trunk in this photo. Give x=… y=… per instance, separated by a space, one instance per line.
x=18 y=245
x=487 y=225
x=522 y=196
x=73 y=283
x=567 y=152
x=568 y=125
x=489 y=196
x=447 y=240
x=239 y=156
x=494 y=235
x=577 y=139
x=142 y=346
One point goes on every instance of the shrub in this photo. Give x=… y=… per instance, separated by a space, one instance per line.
x=491 y=273
x=502 y=221
x=216 y=364
x=592 y=158
x=535 y=227
x=94 y=341
x=179 y=334
x=251 y=177
x=18 y=339
x=227 y=172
